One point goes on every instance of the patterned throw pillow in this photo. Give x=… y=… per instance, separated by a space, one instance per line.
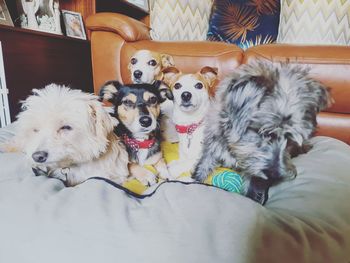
x=315 y=22
x=245 y=22
x=178 y=20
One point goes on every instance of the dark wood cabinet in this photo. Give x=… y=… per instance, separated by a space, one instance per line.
x=89 y=7
x=34 y=59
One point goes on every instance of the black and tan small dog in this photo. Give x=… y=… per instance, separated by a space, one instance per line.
x=137 y=108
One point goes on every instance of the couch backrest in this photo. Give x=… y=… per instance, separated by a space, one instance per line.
x=111 y=56
x=114 y=38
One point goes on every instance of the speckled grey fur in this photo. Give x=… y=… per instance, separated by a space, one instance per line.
x=262 y=116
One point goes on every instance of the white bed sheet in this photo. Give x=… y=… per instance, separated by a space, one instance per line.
x=305 y=220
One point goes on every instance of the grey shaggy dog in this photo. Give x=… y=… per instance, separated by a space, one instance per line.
x=262 y=116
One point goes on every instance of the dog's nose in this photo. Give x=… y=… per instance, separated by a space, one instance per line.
x=186 y=96
x=145 y=121
x=137 y=74
x=40 y=156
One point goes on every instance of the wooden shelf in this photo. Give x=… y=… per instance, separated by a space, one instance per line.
x=89 y=7
x=121 y=6
x=39 y=33
x=33 y=59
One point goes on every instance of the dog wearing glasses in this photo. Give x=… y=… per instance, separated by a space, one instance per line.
x=137 y=108
x=263 y=116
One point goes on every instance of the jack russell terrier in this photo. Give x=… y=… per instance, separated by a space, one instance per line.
x=191 y=95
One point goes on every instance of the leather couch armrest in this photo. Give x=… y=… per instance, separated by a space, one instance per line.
x=128 y=28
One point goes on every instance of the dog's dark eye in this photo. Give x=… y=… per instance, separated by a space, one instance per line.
x=152 y=63
x=128 y=103
x=152 y=100
x=177 y=86
x=35 y=130
x=198 y=85
x=133 y=61
x=66 y=128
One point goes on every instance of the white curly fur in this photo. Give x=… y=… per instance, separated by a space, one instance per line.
x=75 y=131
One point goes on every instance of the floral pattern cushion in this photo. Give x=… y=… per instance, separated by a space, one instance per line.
x=244 y=22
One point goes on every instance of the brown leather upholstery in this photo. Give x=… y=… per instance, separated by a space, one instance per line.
x=115 y=37
x=128 y=28
x=190 y=59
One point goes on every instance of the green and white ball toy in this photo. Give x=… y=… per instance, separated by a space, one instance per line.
x=226 y=179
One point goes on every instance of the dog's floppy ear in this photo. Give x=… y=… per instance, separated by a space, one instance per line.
x=164 y=90
x=210 y=75
x=321 y=94
x=170 y=74
x=100 y=120
x=167 y=60
x=109 y=90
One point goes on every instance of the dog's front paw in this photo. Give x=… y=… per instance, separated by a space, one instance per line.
x=147 y=179
x=199 y=175
x=165 y=174
x=175 y=169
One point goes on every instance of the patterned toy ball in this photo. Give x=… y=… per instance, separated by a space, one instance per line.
x=226 y=179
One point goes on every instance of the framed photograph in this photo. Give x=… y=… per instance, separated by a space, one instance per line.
x=5 y=118
x=143 y=4
x=41 y=15
x=74 y=24
x=5 y=18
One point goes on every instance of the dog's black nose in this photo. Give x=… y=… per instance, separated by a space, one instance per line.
x=186 y=96
x=40 y=156
x=145 y=121
x=137 y=74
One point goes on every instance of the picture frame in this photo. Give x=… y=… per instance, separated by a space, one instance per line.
x=5 y=118
x=39 y=15
x=5 y=17
x=143 y=4
x=74 y=24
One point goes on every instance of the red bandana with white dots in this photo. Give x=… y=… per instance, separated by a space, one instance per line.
x=136 y=144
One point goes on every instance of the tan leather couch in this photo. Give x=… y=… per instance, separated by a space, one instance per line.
x=115 y=37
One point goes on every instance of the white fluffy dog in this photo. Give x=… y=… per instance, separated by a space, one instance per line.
x=67 y=134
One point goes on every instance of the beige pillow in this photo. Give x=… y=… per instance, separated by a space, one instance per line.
x=178 y=20
x=315 y=22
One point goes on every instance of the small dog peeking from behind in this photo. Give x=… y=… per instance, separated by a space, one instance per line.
x=67 y=134
x=263 y=116
x=147 y=66
x=137 y=108
x=191 y=94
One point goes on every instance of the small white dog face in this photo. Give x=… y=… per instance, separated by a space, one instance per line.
x=145 y=66
x=191 y=91
x=60 y=127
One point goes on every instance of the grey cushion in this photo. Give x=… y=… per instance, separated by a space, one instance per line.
x=305 y=220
